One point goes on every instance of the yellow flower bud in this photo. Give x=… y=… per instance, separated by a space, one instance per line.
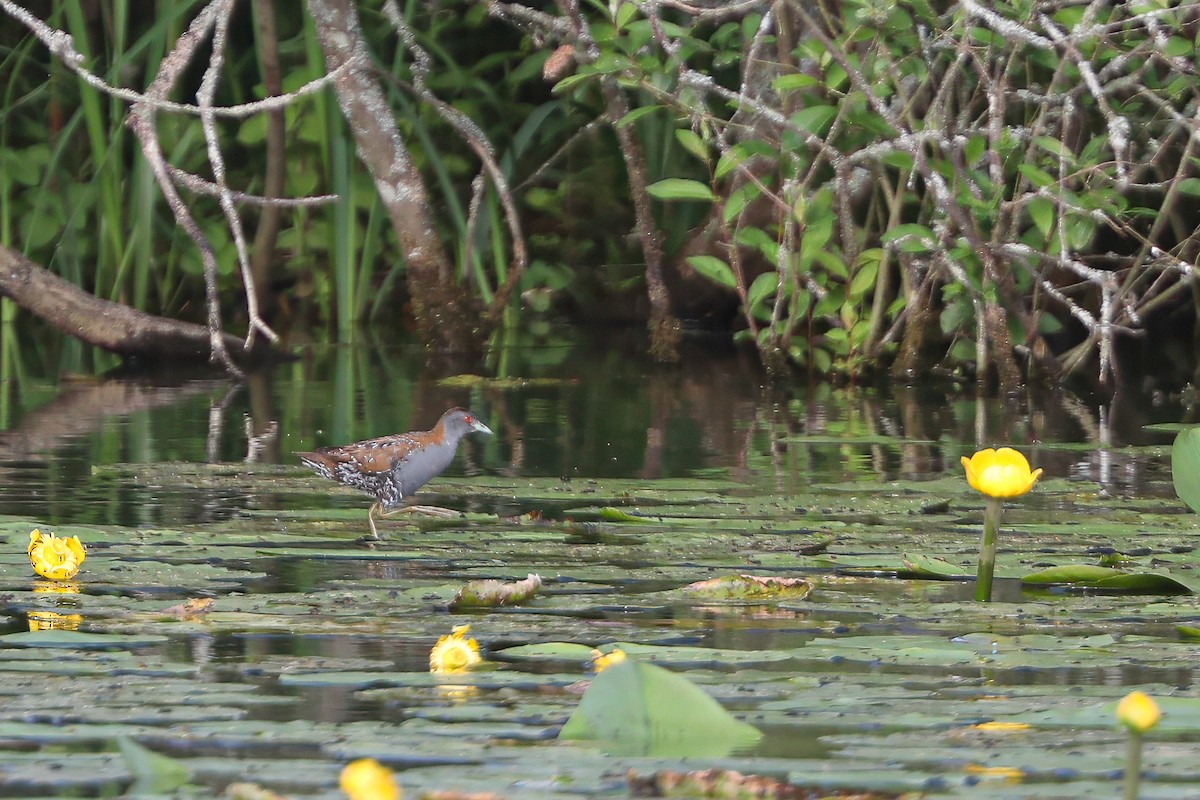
x=1138 y=712
x=1000 y=473
x=367 y=779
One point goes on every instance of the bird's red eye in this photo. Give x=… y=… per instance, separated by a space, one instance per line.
x=469 y=418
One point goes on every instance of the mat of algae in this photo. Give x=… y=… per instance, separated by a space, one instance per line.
x=885 y=676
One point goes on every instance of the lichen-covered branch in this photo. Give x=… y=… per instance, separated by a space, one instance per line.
x=443 y=313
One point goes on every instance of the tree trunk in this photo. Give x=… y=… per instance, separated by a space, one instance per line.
x=443 y=311
x=112 y=326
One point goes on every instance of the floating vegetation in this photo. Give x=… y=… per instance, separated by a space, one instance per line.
x=831 y=632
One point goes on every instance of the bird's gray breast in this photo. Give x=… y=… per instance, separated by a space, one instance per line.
x=420 y=467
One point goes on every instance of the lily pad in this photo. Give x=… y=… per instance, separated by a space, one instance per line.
x=490 y=594
x=640 y=708
x=1185 y=467
x=1116 y=580
x=749 y=588
x=79 y=641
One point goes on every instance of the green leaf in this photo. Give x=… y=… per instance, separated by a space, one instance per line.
x=680 y=189
x=1039 y=178
x=1108 y=578
x=916 y=238
x=976 y=147
x=935 y=568
x=797 y=80
x=692 y=143
x=1178 y=46
x=614 y=514
x=153 y=773
x=1041 y=211
x=739 y=153
x=1188 y=633
x=738 y=199
x=864 y=279
x=642 y=709
x=815 y=119
x=636 y=114
x=1080 y=231
x=1189 y=186
x=898 y=159
x=1185 y=467
x=714 y=269
x=764 y=286
x=1052 y=146
x=624 y=14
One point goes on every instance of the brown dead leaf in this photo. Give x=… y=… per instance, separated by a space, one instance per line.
x=250 y=791
x=750 y=587
x=190 y=610
x=722 y=783
x=489 y=594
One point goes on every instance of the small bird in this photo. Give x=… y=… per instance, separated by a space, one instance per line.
x=392 y=468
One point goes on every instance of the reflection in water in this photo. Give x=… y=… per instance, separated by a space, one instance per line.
x=579 y=408
x=50 y=620
x=62 y=595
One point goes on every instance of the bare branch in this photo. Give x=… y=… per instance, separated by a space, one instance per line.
x=208 y=88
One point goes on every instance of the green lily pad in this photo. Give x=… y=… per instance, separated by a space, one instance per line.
x=79 y=641
x=1115 y=579
x=153 y=773
x=635 y=707
x=1185 y=467
x=929 y=567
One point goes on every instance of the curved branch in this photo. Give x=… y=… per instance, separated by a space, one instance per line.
x=112 y=326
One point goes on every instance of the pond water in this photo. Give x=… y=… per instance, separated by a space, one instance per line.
x=619 y=482
x=569 y=407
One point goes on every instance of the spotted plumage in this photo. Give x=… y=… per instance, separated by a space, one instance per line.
x=392 y=468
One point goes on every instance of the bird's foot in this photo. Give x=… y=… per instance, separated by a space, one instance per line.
x=433 y=511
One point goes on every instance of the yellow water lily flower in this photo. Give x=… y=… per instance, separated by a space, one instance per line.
x=601 y=661
x=1138 y=712
x=454 y=652
x=54 y=557
x=1000 y=473
x=367 y=779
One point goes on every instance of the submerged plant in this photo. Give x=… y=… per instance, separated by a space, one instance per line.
x=454 y=652
x=996 y=474
x=1138 y=713
x=53 y=557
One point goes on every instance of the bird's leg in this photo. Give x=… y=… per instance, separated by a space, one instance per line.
x=371 y=519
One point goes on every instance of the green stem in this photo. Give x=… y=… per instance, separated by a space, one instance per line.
x=1133 y=766
x=987 y=551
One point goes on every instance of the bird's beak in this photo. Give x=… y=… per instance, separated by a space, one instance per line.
x=476 y=425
